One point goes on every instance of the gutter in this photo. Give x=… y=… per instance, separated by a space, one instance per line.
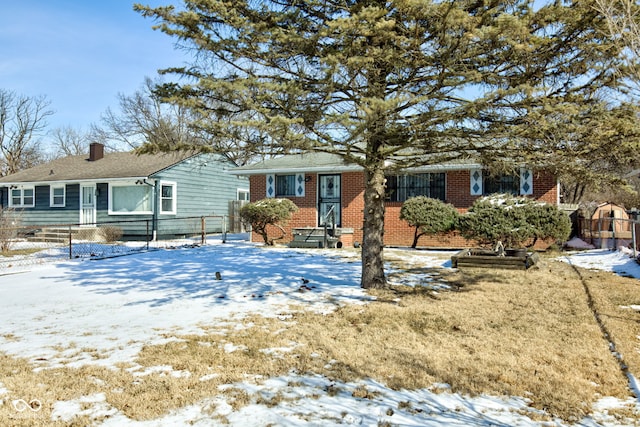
x=294 y=170
x=332 y=169
x=73 y=181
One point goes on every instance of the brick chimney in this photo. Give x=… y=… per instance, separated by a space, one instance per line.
x=96 y=151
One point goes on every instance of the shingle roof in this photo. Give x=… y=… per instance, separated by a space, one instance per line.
x=325 y=162
x=297 y=162
x=111 y=166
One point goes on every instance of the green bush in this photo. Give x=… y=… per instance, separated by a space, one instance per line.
x=515 y=221
x=428 y=216
x=265 y=212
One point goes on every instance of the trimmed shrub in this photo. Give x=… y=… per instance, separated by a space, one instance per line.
x=428 y=216
x=515 y=221
x=267 y=212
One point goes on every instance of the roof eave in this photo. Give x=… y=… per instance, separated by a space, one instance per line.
x=311 y=169
x=351 y=168
x=73 y=181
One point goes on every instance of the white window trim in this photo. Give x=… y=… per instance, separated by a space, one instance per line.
x=22 y=188
x=64 y=196
x=127 y=184
x=174 y=204
x=298 y=185
x=243 y=190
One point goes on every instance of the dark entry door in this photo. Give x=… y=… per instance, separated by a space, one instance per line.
x=329 y=209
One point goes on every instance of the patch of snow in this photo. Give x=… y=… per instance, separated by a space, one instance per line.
x=163 y=370
x=95 y=406
x=280 y=351
x=230 y=347
x=208 y=377
x=577 y=243
x=620 y=262
x=103 y=312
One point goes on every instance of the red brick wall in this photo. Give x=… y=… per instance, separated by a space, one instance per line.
x=353 y=203
x=397 y=232
x=306 y=216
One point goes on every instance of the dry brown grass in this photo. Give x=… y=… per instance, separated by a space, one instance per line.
x=19 y=252
x=529 y=334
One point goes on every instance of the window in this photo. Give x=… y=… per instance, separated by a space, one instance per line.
x=23 y=197
x=402 y=187
x=507 y=184
x=168 y=198
x=130 y=199
x=285 y=185
x=243 y=195
x=57 y=196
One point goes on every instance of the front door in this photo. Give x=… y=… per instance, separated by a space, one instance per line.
x=329 y=209
x=87 y=204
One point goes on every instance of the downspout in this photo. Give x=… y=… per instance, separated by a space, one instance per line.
x=155 y=209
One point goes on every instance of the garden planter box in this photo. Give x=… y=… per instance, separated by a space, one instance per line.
x=484 y=258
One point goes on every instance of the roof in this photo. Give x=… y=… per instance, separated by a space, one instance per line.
x=111 y=166
x=325 y=162
x=306 y=162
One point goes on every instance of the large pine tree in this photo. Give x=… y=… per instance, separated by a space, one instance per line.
x=400 y=83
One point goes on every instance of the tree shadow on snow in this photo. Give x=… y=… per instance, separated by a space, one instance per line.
x=220 y=274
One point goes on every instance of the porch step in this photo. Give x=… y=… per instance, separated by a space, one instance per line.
x=61 y=234
x=50 y=235
x=306 y=244
x=313 y=237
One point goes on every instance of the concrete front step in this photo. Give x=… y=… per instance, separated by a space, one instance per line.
x=61 y=235
x=48 y=239
x=306 y=244
x=313 y=237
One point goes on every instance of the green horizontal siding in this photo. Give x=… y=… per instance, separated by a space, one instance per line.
x=42 y=213
x=202 y=187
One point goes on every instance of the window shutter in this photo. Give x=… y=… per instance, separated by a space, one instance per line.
x=299 y=185
x=271 y=185
x=476 y=182
x=526 y=182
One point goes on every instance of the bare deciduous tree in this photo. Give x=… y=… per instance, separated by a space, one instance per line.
x=68 y=141
x=623 y=22
x=22 y=120
x=146 y=124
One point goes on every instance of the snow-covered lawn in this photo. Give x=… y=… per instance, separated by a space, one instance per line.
x=65 y=314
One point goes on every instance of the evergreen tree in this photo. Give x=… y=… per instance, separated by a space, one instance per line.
x=428 y=216
x=268 y=212
x=514 y=221
x=400 y=83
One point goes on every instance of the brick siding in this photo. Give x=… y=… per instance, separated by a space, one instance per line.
x=397 y=232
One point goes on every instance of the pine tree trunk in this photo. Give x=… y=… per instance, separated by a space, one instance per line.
x=372 y=244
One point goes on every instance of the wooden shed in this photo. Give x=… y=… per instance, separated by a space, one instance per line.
x=608 y=224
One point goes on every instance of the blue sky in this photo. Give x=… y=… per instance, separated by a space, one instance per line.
x=80 y=54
